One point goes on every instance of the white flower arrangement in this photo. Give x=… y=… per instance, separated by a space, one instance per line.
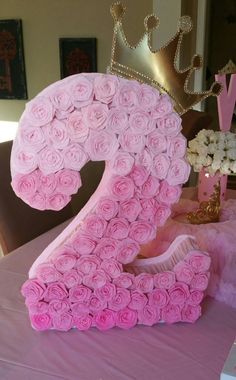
x=213 y=151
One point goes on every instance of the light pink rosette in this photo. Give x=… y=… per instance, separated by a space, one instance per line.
x=164 y=280
x=132 y=142
x=68 y=181
x=32 y=138
x=122 y=163
x=150 y=188
x=178 y=172
x=142 y=232
x=25 y=186
x=195 y=298
x=63 y=322
x=47 y=273
x=179 y=293
x=107 y=248
x=170 y=125
x=77 y=129
x=130 y=209
x=162 y=108
x=162 y=214
x=58 y=307
x=126 y=318
x=118 y=228
x=112 y=267
x=83 y=322
x=127 y=95
x=47 y=183
x=138 y=300
x=101 y=145
x=158 y=298
x=191 y=313
x=127 y=251
x=144 y=158
x=55 y=291
x=39 y=307
x=120 y=300
x=199 y=261
x=149 y=207
x=106 y=292
x=57 y=201
x=50 y=160
x=149 y=315
x=94 y=225
x=105 y=87
x=64 y=262
x=139 y=174
x=24 y=160
x=124 y=280
x=57 y=134
x=95 y=115
x=171 y=314
x=96 y=279
x=39 y=201
x=74 y=157
x=200 y=281
x=183 y=272
x=88 y=264
x=148 y=97
x=39 y=111
x=144 y=282
x=156 y=142
x=79 y=293
x=176 y=147
x=140 y=122
x=117 y=120
x=169 y=194
x=83 y=244
x=81 y=91
x=161 y=164
x=61 y=101
x=41 y=322
x=64 y=249
x=71 y=278
x=121 y=188
x=107 y=208
x=33 y=290
x=104 y=319
x=80 y=308
x=96 y=304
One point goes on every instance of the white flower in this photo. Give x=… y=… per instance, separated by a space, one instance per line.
x=231 y=154
x=225 y=167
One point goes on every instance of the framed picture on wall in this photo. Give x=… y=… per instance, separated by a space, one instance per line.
x=77 y=55
x=12 y=65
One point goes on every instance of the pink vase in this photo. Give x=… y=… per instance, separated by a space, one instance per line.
x=206 y=185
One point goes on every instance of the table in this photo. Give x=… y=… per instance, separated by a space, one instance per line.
x=163 y=352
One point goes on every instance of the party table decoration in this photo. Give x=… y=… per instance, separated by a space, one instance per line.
x=85 y=277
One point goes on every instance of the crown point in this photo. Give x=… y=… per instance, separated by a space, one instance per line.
x=197 y=61
x=117 y=11
x=151 y=22
x=216 y=88
x=185 y=24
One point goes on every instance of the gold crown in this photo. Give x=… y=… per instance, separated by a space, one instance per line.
x=208 y=212
x=156 y=68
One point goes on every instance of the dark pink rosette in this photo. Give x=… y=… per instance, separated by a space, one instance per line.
x=132 y=142
x=156 y=142
x=161 y=164
x=126 y=318
x=140 y=122
x=162 y=108
x=39 y=307
x=191 y=313
x=71 y=278
x=195 y=298
x=169 y=194
x=81 y=92
x=95 y=115
x=107 y=248
x=148 y=97
x=24 y=160
x=171 y=314
x=101 y=145
x=57 y=134
x=50 y=160
x=184 y=272
x=106 y=292
x=107 y=208
x=176 y=147
x=80 y=308
x=47 y=183
x=88 y=264
x=142 y=232
x=139 y=175
x=63 y=322
x=150 y=188
x=68 y=181
x=39 y=111
x=127 y=95
x=149 y=208
x=120 y=300
x=74 y=157
x=57 y=201
x=158 y=298
x=117 y=120
x=170 y=125
x=25 y=186
x=104 y=320
x=178 y=172
x=79 y=293
x=33 y=290
x=122 y=188
x=94 y=225
x=46 y=272
x=149 y=315
x=124 y=280
x=162 y=214
x=55 y=291
x=32 y=138
x=118 y=228
x=179 y=293
x=96 y=304
x=122 y=163
x=164 y=280
x=65 y=262
x=41 y=322
x=83 y=322
x=200 y=281
x=127 y=251
x=199 y=261
x=77 y=129
x=112 y=267
x=130 y=209
x=105 y=88
x=144 y=282
x=138 y=300
x=58 y=307
x=83 y=244
x=96 y=279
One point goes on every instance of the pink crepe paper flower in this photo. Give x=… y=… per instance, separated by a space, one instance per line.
x=138 y=300
x=33 y=290
x=149 y=315
x=47 y=273
x=127 y=251
x=78 y=130
x=120 y=300
x=118 y=228
x=179 y=293
x=164 y=280
x=55 y=291
x=117 y=120
x=83 y=322
x=65 y=262
x=112 y=267
x=79 y=293
x=144 y=282
x=104 y=319
x=171 y=314
x=142 y=232
x=41 y=322
x=190 y=313
x=105 y=88
x=96 y=279
x=122 y=163
x=88 y=264
x=74 y=157
x=95 y=225
x=63 y=322
x=124 y=280
x=39 y=111
x=126 y=318
x=199 y=261
x=107 y=208
x=71 y=278
x=184 y=272
x=130 y=209
x=81 y=91
x=158 y=298
x=121 y=188
x=95 y=115
x=106 y=292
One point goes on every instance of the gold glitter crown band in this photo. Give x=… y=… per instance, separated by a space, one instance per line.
x=156 y=68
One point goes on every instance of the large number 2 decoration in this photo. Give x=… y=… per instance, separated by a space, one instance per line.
x=92 y=275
